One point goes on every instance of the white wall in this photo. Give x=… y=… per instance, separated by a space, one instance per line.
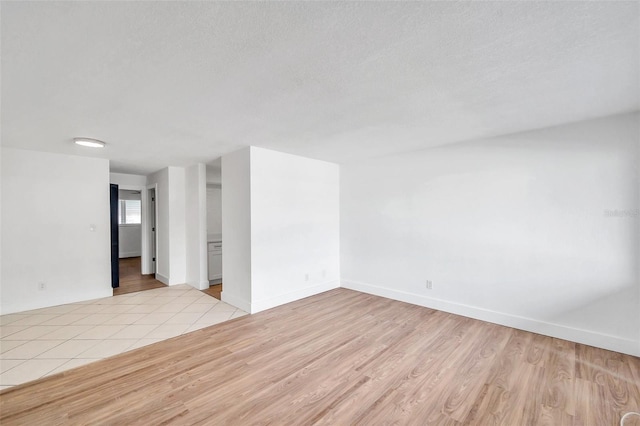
x=171 y=228
x=129 y=235
x=177 y=226
x=128 y=181
x=214 y=209
x=511 y=230
x=236 y=229
x=0 y=229
x=50 y=203
x=130 y=241
x=163 y=264
x=214 y=172
x=196 y=226
x=294 y=228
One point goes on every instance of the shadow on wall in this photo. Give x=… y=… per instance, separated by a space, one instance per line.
x=519 y=225
x=588 y=311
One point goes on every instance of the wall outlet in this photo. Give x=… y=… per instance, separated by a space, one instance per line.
x=306 y=277
x=324 y=273
x=42 y=286
x=429 y=285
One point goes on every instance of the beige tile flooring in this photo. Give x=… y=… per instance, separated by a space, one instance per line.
x=42 y=342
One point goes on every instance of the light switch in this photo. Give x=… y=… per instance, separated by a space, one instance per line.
x=92 y=228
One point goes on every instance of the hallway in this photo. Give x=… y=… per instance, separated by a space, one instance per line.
x=131 y=280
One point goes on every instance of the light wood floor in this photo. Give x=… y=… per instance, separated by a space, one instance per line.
x=214 y=291
x=341 y=357
x=131 y=280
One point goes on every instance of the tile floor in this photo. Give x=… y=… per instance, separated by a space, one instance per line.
x=42 y=342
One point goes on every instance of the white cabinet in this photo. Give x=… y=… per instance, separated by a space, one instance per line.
x=215 y=260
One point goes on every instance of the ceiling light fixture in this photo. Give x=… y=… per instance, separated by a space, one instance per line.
x=92 y=143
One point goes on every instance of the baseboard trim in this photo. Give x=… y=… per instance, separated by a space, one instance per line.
x=586 y=337
x=281 y=299
x=57 y=300
x=200 y=285
x=162 y=279
x=235 y=301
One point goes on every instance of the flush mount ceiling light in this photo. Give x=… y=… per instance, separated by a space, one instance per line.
x=92 y=143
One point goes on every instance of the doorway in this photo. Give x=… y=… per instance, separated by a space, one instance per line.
x=214 y=290
x=136 y=240
x=151 y=226
x=214 y=232
x=132 y=280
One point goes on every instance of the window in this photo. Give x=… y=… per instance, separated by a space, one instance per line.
x=129 y=212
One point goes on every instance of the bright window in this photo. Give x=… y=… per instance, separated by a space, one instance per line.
x=129 y=212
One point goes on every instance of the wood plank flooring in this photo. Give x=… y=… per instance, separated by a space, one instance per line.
x=341 y=357
x=131 y=280
x=214 y=291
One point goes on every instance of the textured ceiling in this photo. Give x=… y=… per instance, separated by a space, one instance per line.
x=174 y=83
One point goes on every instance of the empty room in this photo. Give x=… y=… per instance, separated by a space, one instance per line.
x=421 y=213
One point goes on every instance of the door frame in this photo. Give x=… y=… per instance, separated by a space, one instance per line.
x=147 y=233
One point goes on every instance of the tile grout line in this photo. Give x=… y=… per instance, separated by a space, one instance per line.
x=105 y=316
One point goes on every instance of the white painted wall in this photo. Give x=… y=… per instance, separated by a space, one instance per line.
x=511 y=230
x=214 y=209
x=49 y=204
x=294 y=228
x=163 y=265
x=214 y=171
x=130 y=241
x=177 y=226
x=171 y=227
x=128 y=181
x=236 y=229
x=129 y=235
x=196 y=226
x=149 y=220
x=0 y=229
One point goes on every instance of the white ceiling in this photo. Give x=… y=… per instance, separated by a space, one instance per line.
x=174 y=83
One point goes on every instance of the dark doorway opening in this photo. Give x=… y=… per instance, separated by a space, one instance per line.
x=113 y=209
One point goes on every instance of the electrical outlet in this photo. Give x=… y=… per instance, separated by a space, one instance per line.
x=42 y=286
x=324 y=273
x=429 y=284
x=306 y=277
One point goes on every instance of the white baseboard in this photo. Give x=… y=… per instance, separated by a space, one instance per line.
x=586 y=337
x=272 y=302
x=60 y=299
x=200 y=285
x=235 y=301
x=162 y=278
